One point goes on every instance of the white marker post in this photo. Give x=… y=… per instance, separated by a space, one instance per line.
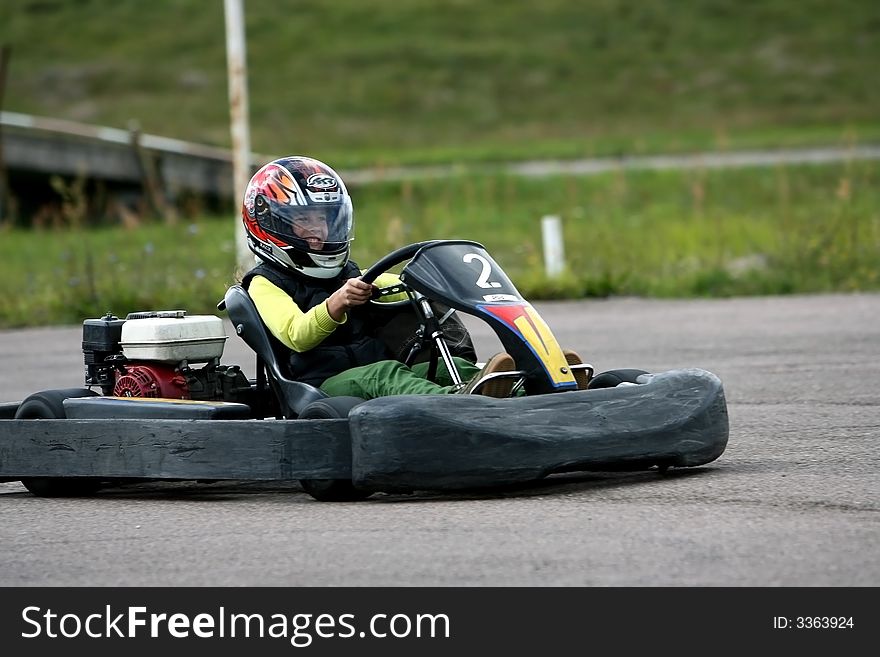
x=554 y=251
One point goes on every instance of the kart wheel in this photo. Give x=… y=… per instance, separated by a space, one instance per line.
x=49 y=405
x=613 y=378
x=332 y=490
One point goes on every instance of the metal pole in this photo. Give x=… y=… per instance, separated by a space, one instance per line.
x=239 y=122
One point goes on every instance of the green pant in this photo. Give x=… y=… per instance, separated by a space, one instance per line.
x=391 y=377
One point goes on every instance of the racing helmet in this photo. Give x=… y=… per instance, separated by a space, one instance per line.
x=298 y=216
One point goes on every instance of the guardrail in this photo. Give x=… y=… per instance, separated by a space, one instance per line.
x=57 y=146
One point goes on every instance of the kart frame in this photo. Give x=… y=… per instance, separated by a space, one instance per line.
x=668 y=419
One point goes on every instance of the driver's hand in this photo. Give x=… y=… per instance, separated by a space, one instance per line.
x=353 y=293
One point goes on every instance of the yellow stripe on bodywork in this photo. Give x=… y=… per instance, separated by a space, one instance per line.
x=542 y=341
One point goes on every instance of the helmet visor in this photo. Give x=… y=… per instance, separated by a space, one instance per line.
x=318 y=228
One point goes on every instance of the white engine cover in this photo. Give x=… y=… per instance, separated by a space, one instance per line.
x=194 y=338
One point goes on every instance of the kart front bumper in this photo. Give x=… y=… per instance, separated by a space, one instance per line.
x=677 y=418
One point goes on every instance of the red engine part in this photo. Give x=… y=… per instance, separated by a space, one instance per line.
x=154 y=380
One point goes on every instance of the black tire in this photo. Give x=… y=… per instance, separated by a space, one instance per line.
x=49 y=405
x=332 y=490
x=613 y=378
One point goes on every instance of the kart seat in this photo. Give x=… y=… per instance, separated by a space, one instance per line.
x=293 y=396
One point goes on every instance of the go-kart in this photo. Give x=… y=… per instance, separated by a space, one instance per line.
x=159 y=416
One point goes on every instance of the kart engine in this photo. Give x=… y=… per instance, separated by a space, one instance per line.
x=154 y=380
x=150 y=354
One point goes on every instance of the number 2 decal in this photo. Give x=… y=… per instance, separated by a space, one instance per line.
x=483 y=279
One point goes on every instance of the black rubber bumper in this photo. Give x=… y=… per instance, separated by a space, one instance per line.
x=445 y=442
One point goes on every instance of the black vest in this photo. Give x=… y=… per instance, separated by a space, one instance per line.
x=350 y=345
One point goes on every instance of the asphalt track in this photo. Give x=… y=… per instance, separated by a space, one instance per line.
x=793 y=501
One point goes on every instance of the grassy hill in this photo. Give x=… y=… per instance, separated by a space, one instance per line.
x=361 y=82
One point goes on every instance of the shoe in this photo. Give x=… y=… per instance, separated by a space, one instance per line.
x=582 y=376
x=500 y=387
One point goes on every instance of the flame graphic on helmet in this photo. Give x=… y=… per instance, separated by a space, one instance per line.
x=276 y=183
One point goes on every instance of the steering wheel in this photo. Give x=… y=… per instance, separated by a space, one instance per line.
x=382 y=265
x=394 y=258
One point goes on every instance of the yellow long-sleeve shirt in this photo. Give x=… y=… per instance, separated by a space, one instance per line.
x=298 y=330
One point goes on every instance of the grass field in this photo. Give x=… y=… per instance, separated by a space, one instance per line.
x=670 y=233
x=412 y=81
